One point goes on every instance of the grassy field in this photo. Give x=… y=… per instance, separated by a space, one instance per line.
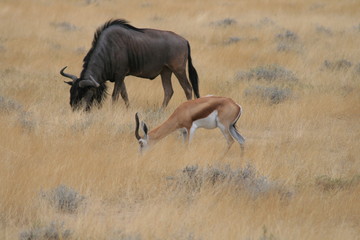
x=294 y=66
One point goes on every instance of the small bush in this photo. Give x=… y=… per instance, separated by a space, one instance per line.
x=224 y=22
x=324 y=30
x=273 y=95
x=64 y=199
x=337 y=65
x=283 y=47
x=88 y=2
x=80 y=50
x=83 y=124
x=8 y=105
x=266 y=235
x=287 y=36
x=327 y=183
x=64 y=26
x=53 y=231
x=357 y=27
x=232 y=40
x=268 y=73
x=288 y=41
x=357 y=68
x=130 y=237
x=193 y=178
x=266 y=22
x=26 y=121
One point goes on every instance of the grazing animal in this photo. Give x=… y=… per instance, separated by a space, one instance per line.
x=207 y=112
x=118 y=50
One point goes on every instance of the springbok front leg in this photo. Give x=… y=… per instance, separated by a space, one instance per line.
x=225 y=131
x=185 y=135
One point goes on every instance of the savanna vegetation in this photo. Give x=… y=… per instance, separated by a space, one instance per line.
x=294 y=66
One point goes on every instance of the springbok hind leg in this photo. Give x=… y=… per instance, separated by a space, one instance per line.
x=228 y=138
x=240 y=139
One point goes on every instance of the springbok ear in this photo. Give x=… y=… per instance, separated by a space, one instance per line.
x=70 y=83
x=144 y=127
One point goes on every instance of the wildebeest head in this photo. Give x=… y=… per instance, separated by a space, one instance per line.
x=83 y=92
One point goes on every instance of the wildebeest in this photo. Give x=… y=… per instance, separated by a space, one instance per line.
x=120 y=49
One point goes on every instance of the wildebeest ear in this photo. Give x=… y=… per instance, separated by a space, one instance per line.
x=70 y=83
x=89 y=83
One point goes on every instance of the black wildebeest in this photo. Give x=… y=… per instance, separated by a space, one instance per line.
x=118 y=50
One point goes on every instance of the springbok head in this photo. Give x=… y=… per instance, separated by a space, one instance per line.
x=143 y=141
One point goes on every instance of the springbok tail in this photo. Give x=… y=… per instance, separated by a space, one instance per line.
x=235 y=134
x=194 y=79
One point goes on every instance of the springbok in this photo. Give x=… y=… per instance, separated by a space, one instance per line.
x=206 y=112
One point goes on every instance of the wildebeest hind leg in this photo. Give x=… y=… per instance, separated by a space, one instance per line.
x=120 y=87
x=166 y=82
x=185 y=84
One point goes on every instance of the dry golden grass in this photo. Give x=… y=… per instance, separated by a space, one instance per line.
x=308 y=144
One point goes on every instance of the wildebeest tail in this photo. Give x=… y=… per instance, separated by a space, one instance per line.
x=193 y=74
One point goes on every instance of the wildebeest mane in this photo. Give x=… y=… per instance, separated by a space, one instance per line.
x=101 y=92
x=118 y=22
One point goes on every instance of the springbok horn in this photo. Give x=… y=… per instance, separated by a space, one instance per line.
x=137 y=127
x=89 y=83
x=73 y=77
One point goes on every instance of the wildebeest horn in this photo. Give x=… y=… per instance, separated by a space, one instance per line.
x=137 y=127
x=89 y=83
x=73 y=77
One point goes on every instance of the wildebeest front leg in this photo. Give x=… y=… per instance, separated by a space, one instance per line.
x=185 y=84
x=166 y=82
x=120 y=88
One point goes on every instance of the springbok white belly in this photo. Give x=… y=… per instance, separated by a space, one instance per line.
x=208 y=122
